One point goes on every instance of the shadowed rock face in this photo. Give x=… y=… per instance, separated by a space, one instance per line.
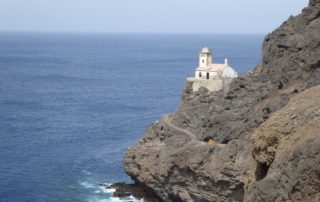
x=203 y=152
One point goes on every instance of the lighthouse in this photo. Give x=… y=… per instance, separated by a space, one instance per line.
x=210 y=75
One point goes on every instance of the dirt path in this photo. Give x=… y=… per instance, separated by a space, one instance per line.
x=167 y=120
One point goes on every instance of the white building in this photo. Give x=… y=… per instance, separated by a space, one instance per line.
x=209 y=70
x=213 y=77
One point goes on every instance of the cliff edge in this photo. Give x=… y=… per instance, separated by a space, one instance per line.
x=250 y=143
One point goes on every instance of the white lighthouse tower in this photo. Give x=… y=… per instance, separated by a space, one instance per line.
x=205 y=58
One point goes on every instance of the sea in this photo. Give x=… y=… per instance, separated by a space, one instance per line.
x=72 y=103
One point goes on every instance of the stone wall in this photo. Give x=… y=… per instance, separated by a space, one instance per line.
x=211 y=85
x=226 y=85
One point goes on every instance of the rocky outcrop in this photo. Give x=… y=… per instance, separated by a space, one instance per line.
x=138 y=191
x=214 y=147
x=287 y=151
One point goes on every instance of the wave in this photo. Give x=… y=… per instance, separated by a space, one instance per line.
x=99 y=193
x=115 y=199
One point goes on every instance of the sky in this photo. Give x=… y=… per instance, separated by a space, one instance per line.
x=186 y=16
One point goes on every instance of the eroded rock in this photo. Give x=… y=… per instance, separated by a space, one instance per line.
x=288 y=146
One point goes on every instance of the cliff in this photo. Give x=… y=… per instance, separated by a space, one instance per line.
x=287 y=151
x=247 y=144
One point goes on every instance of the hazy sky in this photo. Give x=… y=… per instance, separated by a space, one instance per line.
x=216 y=16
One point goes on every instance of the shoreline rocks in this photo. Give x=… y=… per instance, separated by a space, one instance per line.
x=138 y=191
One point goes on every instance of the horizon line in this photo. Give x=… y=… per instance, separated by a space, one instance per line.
x=128 y=32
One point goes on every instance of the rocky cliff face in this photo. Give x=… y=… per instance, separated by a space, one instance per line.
x=247 y=144
x=287 y=151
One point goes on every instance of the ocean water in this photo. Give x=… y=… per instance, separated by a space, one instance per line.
x=71 y=104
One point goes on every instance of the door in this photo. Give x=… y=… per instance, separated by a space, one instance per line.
x=207 y=75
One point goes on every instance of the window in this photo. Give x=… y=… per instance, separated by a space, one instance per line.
x=202 y=60
x=200 y=74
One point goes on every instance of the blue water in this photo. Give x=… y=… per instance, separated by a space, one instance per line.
x=71 y=104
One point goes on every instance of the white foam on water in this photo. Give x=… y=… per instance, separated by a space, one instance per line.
x=115 y=199
x=111 y=191
x=106 y=184
x=131 y=198
x=103 y=188
x=87 y=172
x=87 y=185
x=98 y=196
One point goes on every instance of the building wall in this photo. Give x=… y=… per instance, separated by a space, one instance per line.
x=228 y=72
x=212 y=75
x=211 y=85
